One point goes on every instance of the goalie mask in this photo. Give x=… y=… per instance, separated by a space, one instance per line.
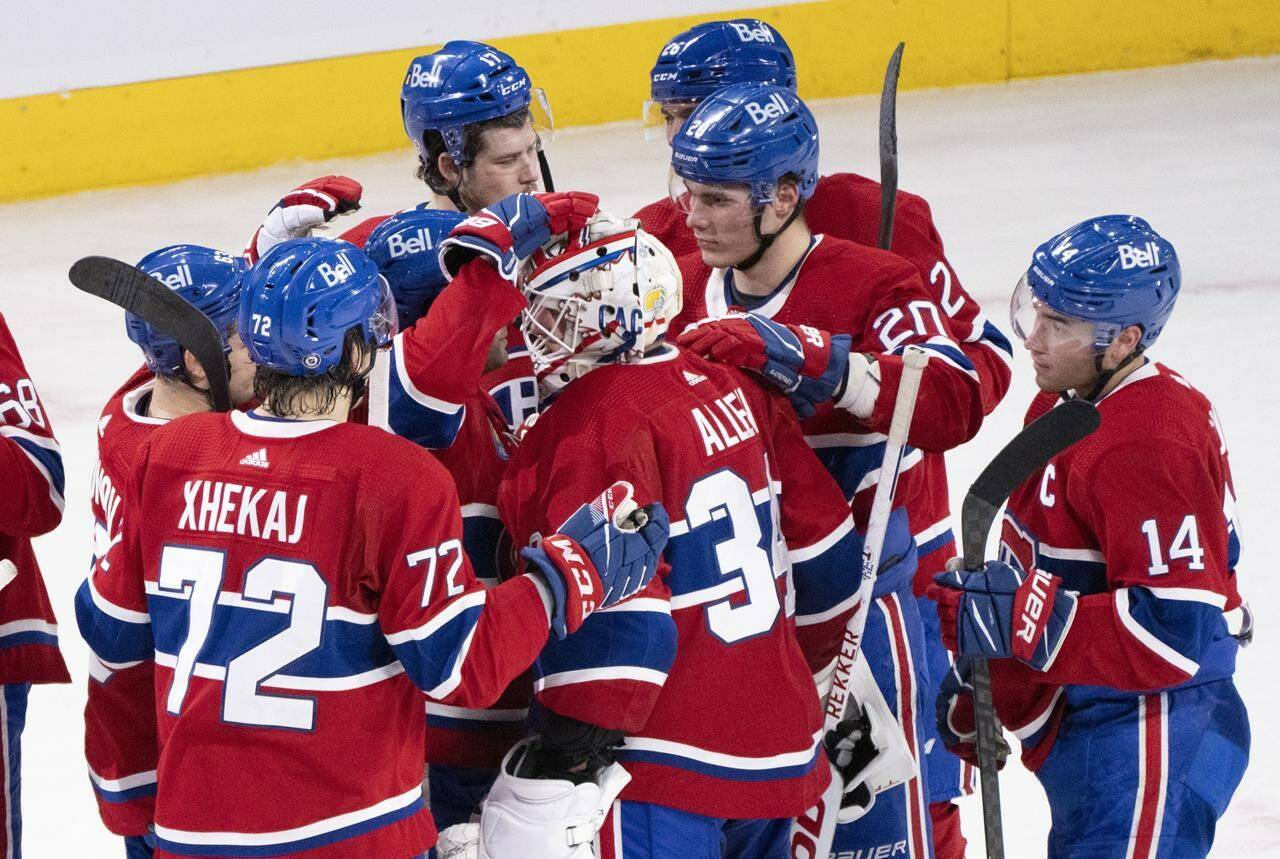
x=607 y=300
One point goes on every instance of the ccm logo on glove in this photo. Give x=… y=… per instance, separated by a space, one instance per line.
x=571 y=559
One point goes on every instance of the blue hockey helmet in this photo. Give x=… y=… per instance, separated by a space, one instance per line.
x=209 y=279
x=461 y=84
x=404 y=247
x=716 y=54
x=302 y=297
x=1113 y=271
x=750 y=134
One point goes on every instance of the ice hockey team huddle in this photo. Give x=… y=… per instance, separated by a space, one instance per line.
x=574 y=509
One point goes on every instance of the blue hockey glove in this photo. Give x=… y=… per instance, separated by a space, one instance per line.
x=602 y=554
x=1000 y=612
x=805 y=362
x=513 y=229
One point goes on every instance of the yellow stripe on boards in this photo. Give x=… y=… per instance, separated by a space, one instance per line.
x=237 y=120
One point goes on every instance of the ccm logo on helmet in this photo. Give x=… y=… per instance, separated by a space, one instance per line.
x=1147 y=256
x=748 y=33
x=180 y=278
x=336 y=274
x=420 y=241
x=775 y=107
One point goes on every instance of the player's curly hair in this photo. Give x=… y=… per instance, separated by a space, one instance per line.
x=296 y=396
x=473 y=144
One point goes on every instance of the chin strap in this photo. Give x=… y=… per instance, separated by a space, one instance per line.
x=763 y=242
x=1104 y=377
x=547 y=184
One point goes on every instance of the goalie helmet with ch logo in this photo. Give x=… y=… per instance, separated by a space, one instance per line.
x=604 y=300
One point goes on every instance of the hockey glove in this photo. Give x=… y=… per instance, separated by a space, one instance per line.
x=808 y=364
x=956 y=723
x=601 y=555
x=1000 y=612
x=301 y=210
x=513 y=229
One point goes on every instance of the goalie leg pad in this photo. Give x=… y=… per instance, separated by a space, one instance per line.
x=545 y=818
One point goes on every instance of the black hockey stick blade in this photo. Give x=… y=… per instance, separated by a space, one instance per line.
x=1028 y=452
x=130 y=288
x=889 y=146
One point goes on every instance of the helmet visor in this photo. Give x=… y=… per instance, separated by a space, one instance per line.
x=721 y=200
x=544 y=124
x=1031 y=319
x=384 y=324
x=661 y=120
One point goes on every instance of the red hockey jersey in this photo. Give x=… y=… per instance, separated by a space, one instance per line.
x=1139 y=519
x=31 y=505
x=119 y=714
x=702 y=670
x=878 y=299
x=297 y=584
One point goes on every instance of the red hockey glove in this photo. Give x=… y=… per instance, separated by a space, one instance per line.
x=605 y=552
x=515 y=228
x=808 y=364
x=301 y=210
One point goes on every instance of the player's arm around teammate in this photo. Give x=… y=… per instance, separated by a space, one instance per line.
x=1114 y=603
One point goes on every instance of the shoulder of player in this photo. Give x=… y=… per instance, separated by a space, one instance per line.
x=656 y=214
x=864 y=192
x=840 y=255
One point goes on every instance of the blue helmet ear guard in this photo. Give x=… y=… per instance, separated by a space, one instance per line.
x=717 y=54
x=751 y=134
x=1114 y=271
x=207 y=278
x=404 y=248
x=300 y=300
x=460 y=84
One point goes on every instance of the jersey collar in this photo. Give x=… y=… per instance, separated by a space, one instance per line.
x=720 y=286
x=131 y=404
x=265 y=426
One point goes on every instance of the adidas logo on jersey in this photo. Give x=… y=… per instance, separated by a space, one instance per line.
x=336 y=274
x=693 y=378
x=1147 y=256
x=257 y=459
x=181 y=277
x=775 y=107
x=419 y=242
x=102 y=425
x=748 y=33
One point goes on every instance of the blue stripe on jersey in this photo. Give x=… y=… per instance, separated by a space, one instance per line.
x=818 y=591
x=430 y=661
x=459 y=723
x=692 y=764
x=1233 y=546
x=15 y=639
x=947 y=350
x=285 y=849
x=345 y=648
x=641 y=639
x=849 y=464
x=1186 y=626
x=1083 y=577
x=50 y=459
x=933 y=544
x=112 y=639
x=693 y=554
x=416 y=421
x=121 y=796
x=994 y=336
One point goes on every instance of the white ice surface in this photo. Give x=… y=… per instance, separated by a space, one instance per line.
x=1195 y=149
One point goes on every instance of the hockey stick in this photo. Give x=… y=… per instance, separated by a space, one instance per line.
x=1028 y=452
x=889 y=147
x=813 y=833
x=162 y=308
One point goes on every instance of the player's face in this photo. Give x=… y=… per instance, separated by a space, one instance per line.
x=1062 y=351
x=497 y=355
x=722 y=219
x=506 y=164
x=673 y=116
x=242 y=371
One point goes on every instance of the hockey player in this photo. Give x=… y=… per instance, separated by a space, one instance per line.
x=120 y=722
x=670 y=684
x=827 y=321
x=710 y=56
x=286 y=551
x=31 y=505
x=1113 y=615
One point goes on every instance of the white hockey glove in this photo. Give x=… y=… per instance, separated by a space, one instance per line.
x=302 y=210
x=861 y=387
x=460 y=841
x=867 y=747
x=545 y=818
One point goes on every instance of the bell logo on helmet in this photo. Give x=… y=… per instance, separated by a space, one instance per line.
x=399 y=246
x=775 y=107
x=749 y=33
x=336 y=274
x=1147 y=256
x=418 y=78
x=181 y=277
